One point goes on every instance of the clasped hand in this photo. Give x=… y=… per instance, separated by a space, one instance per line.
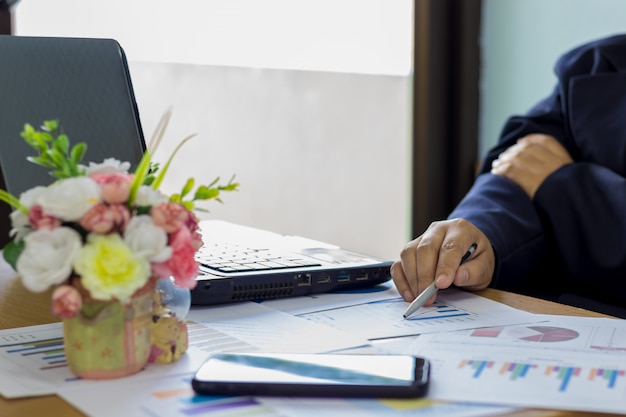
x=530 y=161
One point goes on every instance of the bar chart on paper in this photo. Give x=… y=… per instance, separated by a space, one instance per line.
x=557 y=377
x=594 y=383
x=46 y=354
x=453 y=310
x=35 y=357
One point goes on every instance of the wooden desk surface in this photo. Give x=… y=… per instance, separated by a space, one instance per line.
x=19 y=308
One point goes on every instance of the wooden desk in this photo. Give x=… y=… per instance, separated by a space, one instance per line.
x=19 y=308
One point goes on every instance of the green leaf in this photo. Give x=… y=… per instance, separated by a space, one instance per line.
x=140 y=175
x=188 y=187
x=215 y=181
x=13 y=201
x=57 y=157
x=62 y=144
x=51 y=125
x=205 y=193
x=58 y=174
x=231 y=187
x=41 y=160
x=78 y=152
x=12 y=251
x=159 y=179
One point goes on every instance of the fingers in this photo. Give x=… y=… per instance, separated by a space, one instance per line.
x=530 y=161
x=476 y=274
x=405 y=273
x=436 y=256
x=550 y=144
x=401 y=282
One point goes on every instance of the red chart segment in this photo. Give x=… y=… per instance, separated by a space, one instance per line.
x=549 y=334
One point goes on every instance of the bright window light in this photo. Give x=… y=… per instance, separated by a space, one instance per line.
x=354 y=36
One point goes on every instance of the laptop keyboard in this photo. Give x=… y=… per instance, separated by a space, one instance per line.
x=228 y=257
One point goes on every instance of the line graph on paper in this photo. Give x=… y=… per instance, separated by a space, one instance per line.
x=453 y=310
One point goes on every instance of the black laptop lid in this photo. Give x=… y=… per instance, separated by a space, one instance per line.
x=83 y=83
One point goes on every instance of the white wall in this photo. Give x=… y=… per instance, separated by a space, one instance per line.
x=522 y=40
x=320 y=154
x=321 y=150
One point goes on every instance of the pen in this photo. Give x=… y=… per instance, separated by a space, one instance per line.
x=432 y=289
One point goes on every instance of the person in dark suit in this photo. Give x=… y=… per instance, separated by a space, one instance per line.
x=548 y=207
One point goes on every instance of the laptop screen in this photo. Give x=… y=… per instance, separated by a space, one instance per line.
x=82 y=83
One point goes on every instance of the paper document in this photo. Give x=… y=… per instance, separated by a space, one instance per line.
x=453 y=310
x=562 y=362
x=337 y=299
x=173 y=397
x=32 y=359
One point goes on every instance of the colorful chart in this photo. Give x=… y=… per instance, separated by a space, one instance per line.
x=438 y=310
x=547 y=334
x=48 y=354
x=529 y=333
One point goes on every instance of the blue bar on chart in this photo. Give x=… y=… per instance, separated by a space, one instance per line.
x=440 y=310
x=477 y=365
x=49 y=353
x=515 y=370
x=564 y=374
x=609 y=375
x=184 y=401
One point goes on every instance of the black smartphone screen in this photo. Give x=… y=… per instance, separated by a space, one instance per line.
x=317 y=375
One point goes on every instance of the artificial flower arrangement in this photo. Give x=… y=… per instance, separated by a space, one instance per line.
x=100 y=232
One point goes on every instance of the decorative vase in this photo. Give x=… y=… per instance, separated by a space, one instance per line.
x=109 y=339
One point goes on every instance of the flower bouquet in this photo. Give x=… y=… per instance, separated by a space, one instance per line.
x=101 y=237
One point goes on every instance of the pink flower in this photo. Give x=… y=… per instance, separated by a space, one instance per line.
x=115 y=187
x=196 y=241
x=66 y=301
x=170 y=216
x=193 y=226
x=38 y=219
x=103 y=219
x=182 y=265
x=121 y=214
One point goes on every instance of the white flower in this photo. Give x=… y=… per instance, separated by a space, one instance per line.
x=29 y=197
x=146 y=239
x=47 y=257
x=70 y=198
x=148 y=196
x=108 y=166
x=19 y=221
x=20 y=225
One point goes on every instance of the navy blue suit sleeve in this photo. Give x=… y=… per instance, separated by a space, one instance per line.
x=505 y=214
x=585 y=206
x=581 y=208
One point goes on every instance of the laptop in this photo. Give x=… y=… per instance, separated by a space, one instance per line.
x=240 y=263
x=83 y=83
x=86 y=85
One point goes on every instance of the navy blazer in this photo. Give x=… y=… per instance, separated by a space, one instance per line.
x=569 y=243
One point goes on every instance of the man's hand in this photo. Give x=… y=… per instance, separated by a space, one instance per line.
x=436 y=255
x=530 y=161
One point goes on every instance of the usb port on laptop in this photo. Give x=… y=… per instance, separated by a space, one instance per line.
x=361 y=277
x=343 y=277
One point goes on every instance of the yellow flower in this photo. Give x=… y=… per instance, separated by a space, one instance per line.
x=109 y=269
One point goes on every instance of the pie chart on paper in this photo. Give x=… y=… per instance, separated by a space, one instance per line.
x=543 y=334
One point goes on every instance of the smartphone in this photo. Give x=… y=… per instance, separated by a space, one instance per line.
x=313 y=375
